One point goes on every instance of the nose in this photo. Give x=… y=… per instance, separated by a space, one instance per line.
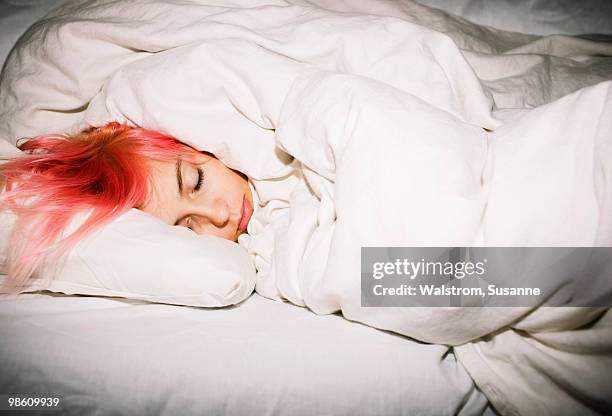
x=216 y=212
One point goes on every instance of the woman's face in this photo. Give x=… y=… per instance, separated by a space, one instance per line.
x=205 y=196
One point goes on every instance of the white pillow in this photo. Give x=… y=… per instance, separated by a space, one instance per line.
x=138 y=256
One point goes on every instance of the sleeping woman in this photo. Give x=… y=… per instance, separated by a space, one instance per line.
x=108 y=170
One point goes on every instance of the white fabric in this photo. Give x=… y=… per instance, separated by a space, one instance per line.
x=544 y=183
x=337 y=77
x=105 y=356
x=16 y=16
x=540 y=17
x=189 y=269
x=120 y=259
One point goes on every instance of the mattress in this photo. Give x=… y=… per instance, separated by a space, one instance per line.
x=109 y=356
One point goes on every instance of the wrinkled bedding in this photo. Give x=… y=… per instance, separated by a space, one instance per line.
x=332 y=109
x=539 y=179
x=114 y=356
x=540 y=17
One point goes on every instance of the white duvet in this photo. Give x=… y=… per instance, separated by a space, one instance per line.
x=398 y=172
x=363 y=124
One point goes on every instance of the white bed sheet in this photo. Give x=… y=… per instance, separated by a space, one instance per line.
x=107 y=356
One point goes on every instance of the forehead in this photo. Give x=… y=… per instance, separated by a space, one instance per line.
x=163 y=199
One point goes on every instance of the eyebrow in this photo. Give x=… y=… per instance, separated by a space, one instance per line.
x=179 y=176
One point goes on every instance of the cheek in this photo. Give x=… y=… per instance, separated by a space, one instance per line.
x=226 y=184
x=231 y=178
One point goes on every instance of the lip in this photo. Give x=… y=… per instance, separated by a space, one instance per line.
x=245 y=214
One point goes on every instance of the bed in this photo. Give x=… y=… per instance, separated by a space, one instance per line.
x=105 y=355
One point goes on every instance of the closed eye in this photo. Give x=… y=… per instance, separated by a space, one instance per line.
x=198 y=185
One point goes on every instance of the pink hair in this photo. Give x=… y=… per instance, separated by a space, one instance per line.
x=103 y=170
